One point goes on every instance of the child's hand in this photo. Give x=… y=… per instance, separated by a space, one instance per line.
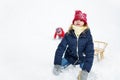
x=83 y=75
x=57 y=69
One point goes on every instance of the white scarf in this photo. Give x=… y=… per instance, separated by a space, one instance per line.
x=78 y=30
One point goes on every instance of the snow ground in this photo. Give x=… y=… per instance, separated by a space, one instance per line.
x=26 y=37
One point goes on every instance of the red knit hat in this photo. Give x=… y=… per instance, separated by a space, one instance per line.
x=80 y=16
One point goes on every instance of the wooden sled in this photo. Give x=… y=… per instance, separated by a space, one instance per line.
x=99 y=48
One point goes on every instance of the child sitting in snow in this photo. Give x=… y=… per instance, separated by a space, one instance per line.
x=76 y=47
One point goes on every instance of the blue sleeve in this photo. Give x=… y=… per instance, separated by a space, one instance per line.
x=89 y=52
x=60 y=50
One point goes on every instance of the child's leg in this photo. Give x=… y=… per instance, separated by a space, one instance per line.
x=81 y=65
x=65 y=63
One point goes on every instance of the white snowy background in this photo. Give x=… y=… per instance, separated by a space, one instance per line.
x=27 y=46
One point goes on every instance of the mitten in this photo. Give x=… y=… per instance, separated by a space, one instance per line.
x=83 y=75
x=57 y=69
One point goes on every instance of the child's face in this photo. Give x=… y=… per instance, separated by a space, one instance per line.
x=78 y=23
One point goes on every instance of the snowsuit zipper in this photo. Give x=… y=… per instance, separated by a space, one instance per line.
x=77 y=51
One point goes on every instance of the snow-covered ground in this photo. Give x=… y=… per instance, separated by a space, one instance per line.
x=27 y=27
